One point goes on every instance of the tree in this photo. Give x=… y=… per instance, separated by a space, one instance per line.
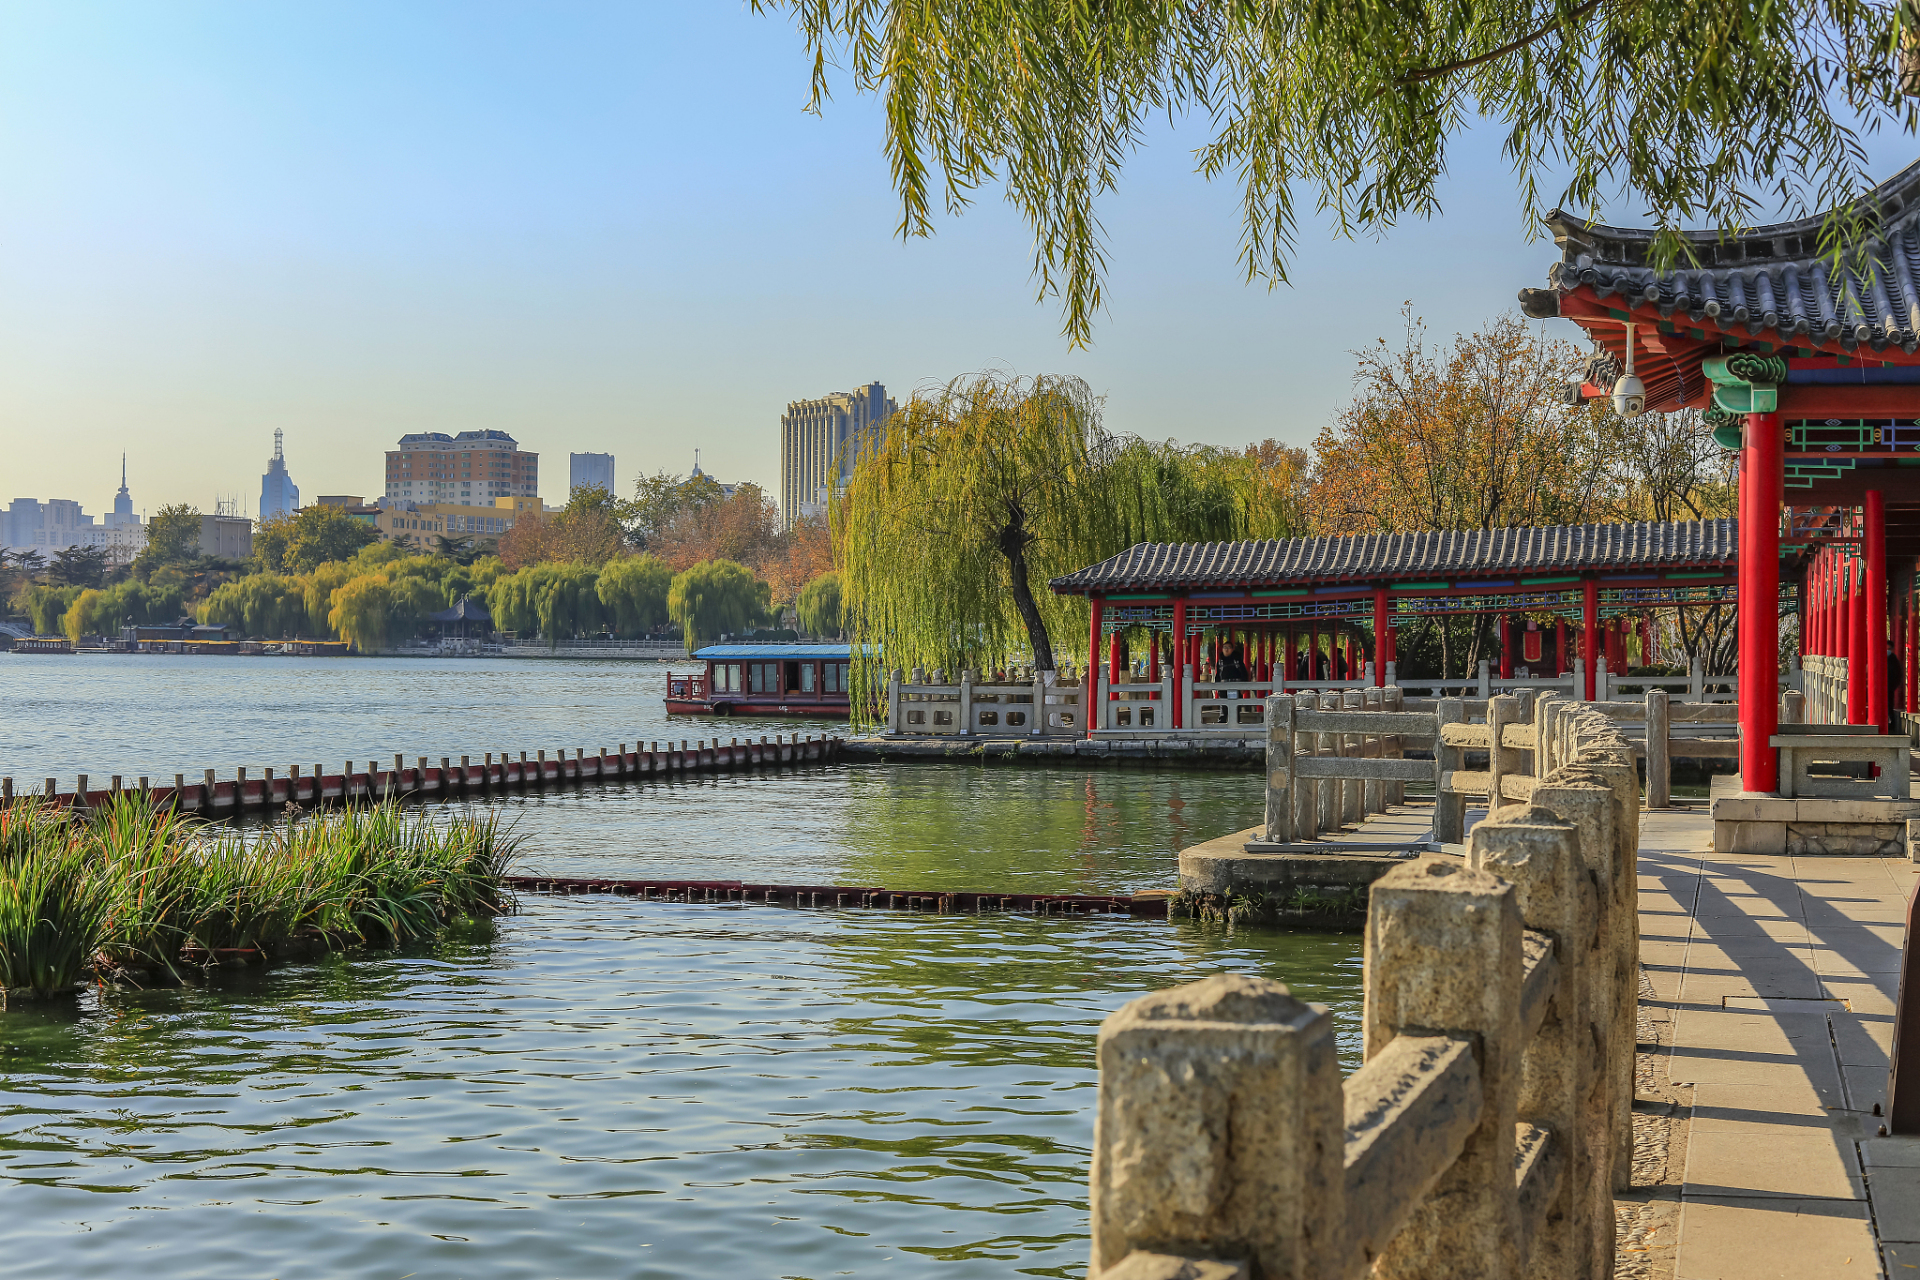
x=743 y=526
x=819 y=606
x=297 y=541
x=262 y=604
x=1477 y=435
x=803 y=553
x=715 y=598
x=633 y=590
x=173 y=539
x=1699 y=112
x=362 y=612
x=78 y=620
x=659 y=498
x=984 y=490
x=557 y=600
x=1670 y=468
x=78 y=566
x=46 y=606
x=586 y=531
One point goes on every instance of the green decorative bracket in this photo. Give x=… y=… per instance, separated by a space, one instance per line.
x=1726 y=426
x=1745 y=382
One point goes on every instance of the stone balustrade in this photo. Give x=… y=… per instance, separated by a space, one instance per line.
x=1337 y=757
x=1490 y=1124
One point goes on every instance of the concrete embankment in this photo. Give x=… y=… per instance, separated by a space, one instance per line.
x=219 y=798
x=1248 y=753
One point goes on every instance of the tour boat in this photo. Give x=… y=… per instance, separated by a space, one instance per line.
x=764 y=680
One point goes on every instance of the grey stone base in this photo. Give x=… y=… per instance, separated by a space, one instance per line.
x=1848 y=839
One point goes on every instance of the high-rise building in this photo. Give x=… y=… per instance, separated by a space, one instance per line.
x=52 y=526
x=821 y=440
x=589 y=471
x=279 y=496
x=473 y=468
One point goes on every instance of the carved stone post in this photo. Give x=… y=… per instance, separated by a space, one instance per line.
x=1219 y=1130
x=1659 y=765
x=1279 y=829
x=1449 y=807
x=1443 y=955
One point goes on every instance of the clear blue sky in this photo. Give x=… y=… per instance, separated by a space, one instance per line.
x=598 y=226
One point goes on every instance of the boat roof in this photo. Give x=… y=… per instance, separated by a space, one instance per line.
x=775 y=651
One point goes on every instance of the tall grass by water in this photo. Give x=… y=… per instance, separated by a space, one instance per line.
x=140 y=891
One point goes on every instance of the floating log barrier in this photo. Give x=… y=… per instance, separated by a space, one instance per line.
x=214 y=798
x=1153 y=905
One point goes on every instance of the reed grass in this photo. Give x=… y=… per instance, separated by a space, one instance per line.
x=134 y=886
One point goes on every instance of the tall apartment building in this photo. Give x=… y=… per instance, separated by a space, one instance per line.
x=474 y=468
x=820 y=440
x=590 y=471
x=279 y=495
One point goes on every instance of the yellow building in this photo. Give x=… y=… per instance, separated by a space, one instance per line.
x=423 y=524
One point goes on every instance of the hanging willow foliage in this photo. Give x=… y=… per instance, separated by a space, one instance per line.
x=982 y=491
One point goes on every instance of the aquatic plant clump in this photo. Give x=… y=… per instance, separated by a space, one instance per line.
x=137 y=888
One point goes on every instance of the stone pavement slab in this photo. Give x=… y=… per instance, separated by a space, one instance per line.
x=1779 y=974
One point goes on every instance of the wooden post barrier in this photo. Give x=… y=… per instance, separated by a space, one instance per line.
x=1480 y=1136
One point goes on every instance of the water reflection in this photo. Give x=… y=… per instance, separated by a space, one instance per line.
x=606 y=1087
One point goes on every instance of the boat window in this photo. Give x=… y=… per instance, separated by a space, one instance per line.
x=730 y=677
x=761 y=684
x=836 y=677
x=806 y=677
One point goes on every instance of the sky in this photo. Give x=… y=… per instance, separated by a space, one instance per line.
x=600 y=227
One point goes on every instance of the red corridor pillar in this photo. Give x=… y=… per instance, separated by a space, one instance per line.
x=1858 y=660
x=1382 y=635
x=1506 y=647
x=1761 y=478
x=1589 y=630
x=1875 y=619
x=1178 y=652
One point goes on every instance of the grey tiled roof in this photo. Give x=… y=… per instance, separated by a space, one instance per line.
x=1409 y=557
x=1771 y=278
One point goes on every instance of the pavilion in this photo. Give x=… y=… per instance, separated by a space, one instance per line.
x=1290 y=596
x=1807 y=365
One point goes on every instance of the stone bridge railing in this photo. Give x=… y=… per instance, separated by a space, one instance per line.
x=1491 y=1122
x=1334 y=758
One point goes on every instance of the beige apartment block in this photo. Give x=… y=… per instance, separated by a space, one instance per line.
x=821 y=440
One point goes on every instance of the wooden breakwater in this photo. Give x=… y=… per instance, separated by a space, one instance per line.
x=213 y=796
x=939 y=901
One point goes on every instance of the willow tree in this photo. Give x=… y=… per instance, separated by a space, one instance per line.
x=980 y=493
x=1700 y=111
x=716 y=597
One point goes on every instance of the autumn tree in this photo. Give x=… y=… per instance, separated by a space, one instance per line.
x=660 y=498
x=743 y=527
x=586 y=531
x=804 y=553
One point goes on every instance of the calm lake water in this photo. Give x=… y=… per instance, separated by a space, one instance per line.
x=597 y=1086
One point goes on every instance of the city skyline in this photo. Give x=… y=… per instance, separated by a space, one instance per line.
x=207 y=239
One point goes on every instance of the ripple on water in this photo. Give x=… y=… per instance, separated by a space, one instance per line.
x=603 y=1088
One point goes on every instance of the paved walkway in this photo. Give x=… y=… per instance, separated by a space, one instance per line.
x=1776 y=977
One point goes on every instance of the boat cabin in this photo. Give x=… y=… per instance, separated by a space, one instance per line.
x=764 y=680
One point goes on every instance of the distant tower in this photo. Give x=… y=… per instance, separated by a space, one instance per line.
x=122 y=517
x=279 y=495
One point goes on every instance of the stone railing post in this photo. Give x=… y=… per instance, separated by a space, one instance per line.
x=1579 y=679
x=1543 y=732
x=1570 y=1217
x=1332 y=790
x=1374 y=747
x=1584 y=798
x=1486 y=681
x=1393 y=700
x=966 y=701
x=1449 y=807
x=1219 y=1131
x=1279 y=828
x=1353 y=800
x=1306 y=791
x=1037 y=725
x=1659 y=760
x=1502 y=710
x=1443 y=956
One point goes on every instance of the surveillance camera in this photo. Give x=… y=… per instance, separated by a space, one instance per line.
x=1630 y=396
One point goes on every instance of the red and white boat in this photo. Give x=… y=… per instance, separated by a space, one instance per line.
x=764 y=680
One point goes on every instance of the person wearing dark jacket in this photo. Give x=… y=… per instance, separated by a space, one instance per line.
x=1233 y=663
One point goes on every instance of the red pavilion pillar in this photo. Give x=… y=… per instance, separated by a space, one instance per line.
x=1178 y=652
x=1381 y=630
x=1560 y=664
x=1759 y=618
x=1506 y=647
x=1859 y=662
x=1589 y=630
x=1096 y=606
x=1875 y=619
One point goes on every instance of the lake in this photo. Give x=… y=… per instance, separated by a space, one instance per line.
x=601 y=1086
